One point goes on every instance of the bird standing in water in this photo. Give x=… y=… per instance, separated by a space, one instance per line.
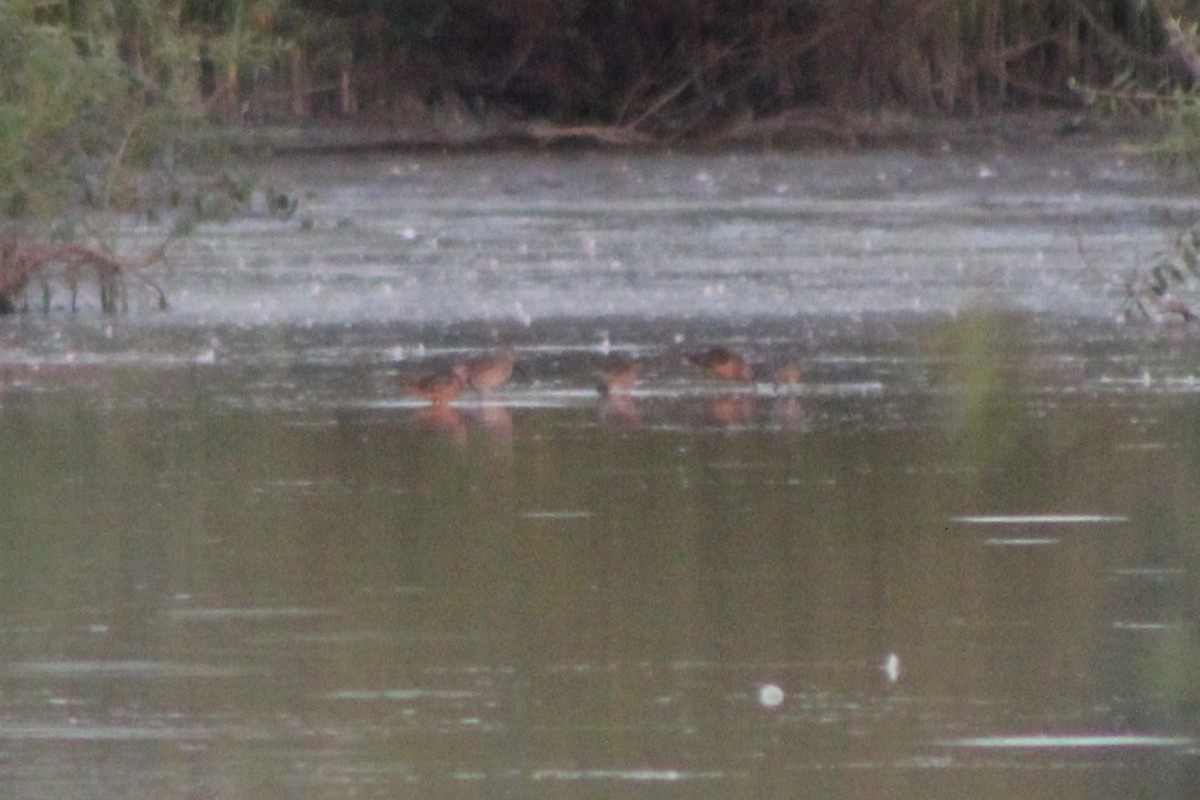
x=487 y=372
x=617 y=376
x=440 y=387
x=724 y=364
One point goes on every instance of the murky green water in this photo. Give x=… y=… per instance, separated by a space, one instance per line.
x=959 y=560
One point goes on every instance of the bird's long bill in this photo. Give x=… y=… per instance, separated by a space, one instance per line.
x=517 y=368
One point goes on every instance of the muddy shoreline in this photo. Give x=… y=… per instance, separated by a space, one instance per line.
x=798 y=131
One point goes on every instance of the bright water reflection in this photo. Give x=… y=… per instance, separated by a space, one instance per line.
x=958 y=561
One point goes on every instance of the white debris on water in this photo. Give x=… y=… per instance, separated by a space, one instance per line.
x=891 y=667
x=770 y=695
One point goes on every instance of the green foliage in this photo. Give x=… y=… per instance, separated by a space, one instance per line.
x=656 y=69
x=75 y=117
x=100 y=100
x=44 y=93
x=1166 y=272
x=1171 y=96
x=1181 y=143
x=1177 y=102
x=236 y=195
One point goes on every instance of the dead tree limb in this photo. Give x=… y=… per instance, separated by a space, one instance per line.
x=24 y=260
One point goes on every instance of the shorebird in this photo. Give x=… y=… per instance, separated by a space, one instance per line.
x=487 y=372
x=439 y=388
x=723 y=363
x=617 y=376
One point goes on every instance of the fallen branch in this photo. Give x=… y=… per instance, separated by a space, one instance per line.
x=604 y=134
x=24 y=261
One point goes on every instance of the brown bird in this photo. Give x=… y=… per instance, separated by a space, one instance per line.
x=617 y=376
x=487 y=372
x=724 y=364
x=439 y=388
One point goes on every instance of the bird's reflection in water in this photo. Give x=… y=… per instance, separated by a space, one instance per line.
x=789 y=414
x=458 y=424
x=729 y=410
x=443 y=420
x=495 y=422
x=620 y=409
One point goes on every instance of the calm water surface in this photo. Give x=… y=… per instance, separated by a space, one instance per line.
x=959 y=560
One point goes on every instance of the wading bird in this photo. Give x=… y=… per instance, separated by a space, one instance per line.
x=438 y=388
x=617 y=376
x=724 y=364
x=487 y=372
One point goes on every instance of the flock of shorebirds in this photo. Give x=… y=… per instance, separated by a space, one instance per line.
x=484 y=373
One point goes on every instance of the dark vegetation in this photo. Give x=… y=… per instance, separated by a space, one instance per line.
x=102 y=100
x=704 y=70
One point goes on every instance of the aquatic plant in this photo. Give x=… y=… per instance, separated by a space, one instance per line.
x=1165 y=88
x=1167 y=271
